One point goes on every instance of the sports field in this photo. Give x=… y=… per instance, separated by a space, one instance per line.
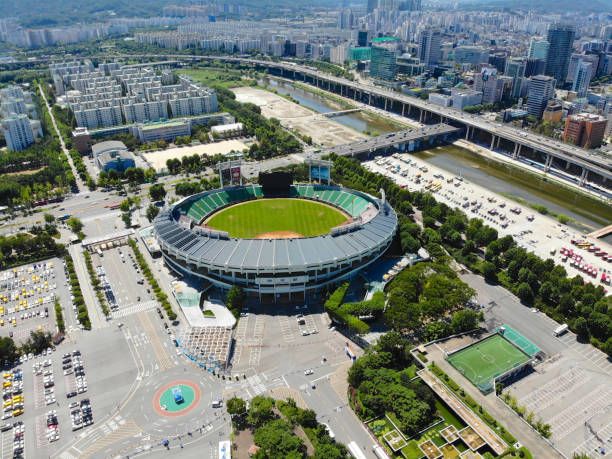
x=487 y=359
x=276 y=218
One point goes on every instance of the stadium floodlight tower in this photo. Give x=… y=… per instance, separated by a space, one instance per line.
x=318 y=169
x=230 y=172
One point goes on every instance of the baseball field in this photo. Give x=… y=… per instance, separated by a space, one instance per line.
x=276 y=218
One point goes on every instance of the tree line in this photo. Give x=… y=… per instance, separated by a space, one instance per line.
x=537 y=282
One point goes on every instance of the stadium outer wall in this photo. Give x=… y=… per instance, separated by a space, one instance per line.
x=282 y=268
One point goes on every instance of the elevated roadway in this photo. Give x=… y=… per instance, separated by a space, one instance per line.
x=590 y=166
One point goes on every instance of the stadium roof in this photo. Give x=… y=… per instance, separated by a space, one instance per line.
x=275 y=254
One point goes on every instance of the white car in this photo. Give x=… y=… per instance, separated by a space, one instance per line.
x=308 y=372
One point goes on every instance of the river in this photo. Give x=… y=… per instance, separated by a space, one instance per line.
x=362 y=122
x=587 y=212
x=505 y=179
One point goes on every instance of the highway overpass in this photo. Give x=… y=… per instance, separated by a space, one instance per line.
x=550 y=155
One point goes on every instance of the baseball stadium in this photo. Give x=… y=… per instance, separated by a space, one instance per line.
x=278 y=240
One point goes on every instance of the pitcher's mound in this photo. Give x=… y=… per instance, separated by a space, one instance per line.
x=279 y=235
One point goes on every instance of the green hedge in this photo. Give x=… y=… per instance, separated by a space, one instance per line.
x=95 y=282
x=78 y=301
x=146 y=271
x=59 y=317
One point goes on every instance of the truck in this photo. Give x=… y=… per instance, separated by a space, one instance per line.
x=560 y=330
x=380 y=452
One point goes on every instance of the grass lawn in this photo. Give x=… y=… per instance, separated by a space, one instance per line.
x=227 y=78
x=253 y=218
x=448 y=415
x=412 y=451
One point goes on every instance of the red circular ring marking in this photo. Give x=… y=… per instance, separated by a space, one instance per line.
x=196 y=400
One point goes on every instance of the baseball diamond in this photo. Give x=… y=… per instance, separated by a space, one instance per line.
x=314 y=236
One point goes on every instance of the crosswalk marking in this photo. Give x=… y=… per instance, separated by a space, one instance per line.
x=130 y=429
x=145 y=306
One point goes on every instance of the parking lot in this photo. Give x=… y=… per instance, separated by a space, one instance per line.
x=27 y=298
x=124 y=285
x=304 y=340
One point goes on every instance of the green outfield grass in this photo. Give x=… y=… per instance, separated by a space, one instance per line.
x=487 y=359
x=253 y=218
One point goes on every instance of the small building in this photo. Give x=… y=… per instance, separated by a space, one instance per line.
x=227 y=130
x=553 y=112
x=163 y=130
x=112 y=155
x=81 y=140
x=585 y=129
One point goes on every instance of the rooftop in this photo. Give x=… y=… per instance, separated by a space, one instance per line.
x=146 y=127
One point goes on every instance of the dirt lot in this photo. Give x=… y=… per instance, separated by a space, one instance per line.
x=324 y=131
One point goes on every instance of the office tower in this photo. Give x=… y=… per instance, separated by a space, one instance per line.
x=345 y=19
x=575 y=59
x=473 y=55
x=498 y=60
x=494 y=87
x=585 y=129
x=17 y=132
x=384 y=58
x=538 y=48
x=561 y=39
x=541 y=90
x=515 y=69
x=362 y=38
x=582 y=78
x=429 y=46
x=534 y=67
x=372 y=5
x=606 y=32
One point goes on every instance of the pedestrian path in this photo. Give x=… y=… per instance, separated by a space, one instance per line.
x=133 y=309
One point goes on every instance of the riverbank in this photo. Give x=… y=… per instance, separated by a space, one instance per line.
x=324 y=132
x=539 y=234
x=521 y=184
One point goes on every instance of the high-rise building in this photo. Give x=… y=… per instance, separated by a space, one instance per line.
x=582 y=78
x=494 y=87
x=541 y=90
x=534 y=66
x=538 y=48
x=573 y=64
x=362 y=38
x=372 y=5
x=383 y=63
x=561 y=39
x=498 y=60
x=429 y=46
x=473 y=55
x=345 y=18
x=585 y=130
x=17 y=132
x=515 y=69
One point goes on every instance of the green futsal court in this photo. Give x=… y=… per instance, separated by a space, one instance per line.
x=487 y=359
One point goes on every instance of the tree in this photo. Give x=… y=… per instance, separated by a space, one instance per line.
x=489 y=271
x=237 y=409
x=49 y=218
x=37 y=342
x=74 y=224
x=125 y=205
x=436 y=330
x=235 y=299
x=260 y=411
x=581 y=328
x=8 y=350
x=152 y=212
x=329 y=451
x=525 y=293
x=464 y=320
x=276 y=440
x=157 y=192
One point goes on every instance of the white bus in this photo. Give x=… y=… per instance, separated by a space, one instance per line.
x=356 y=451
x=560 y=330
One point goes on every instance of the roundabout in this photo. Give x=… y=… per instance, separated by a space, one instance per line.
x=165 y=403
